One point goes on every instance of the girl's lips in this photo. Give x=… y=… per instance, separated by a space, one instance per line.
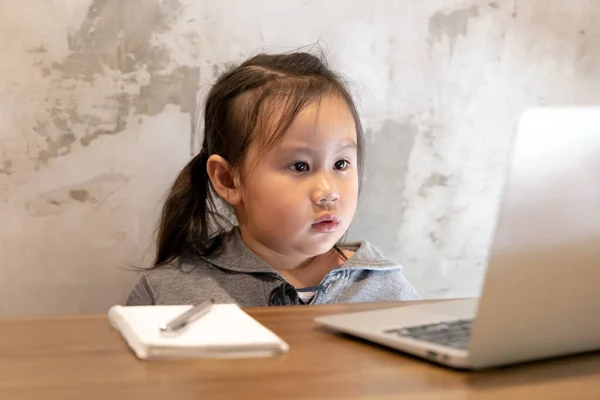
x=327 y=218
x=326 y=224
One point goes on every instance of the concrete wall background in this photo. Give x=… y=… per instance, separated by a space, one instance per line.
x=99 y=104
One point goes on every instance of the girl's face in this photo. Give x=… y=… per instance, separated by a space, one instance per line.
x=299 y=198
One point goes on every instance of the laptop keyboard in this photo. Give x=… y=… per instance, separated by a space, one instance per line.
x=450 y=333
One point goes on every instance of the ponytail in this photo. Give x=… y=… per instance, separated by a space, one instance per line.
x=186 y=215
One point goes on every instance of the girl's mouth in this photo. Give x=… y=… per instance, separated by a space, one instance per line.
x=326 y=224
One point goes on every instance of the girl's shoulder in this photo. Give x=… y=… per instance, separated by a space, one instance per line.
x=365 y=255
x=186 y=280
x=186 y=268
x=374 y=277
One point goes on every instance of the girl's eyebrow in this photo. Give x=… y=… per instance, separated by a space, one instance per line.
x=348 y=146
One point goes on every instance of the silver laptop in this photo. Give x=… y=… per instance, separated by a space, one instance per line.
x=541 y=292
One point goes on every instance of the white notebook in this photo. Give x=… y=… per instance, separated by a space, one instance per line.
x=225 y=332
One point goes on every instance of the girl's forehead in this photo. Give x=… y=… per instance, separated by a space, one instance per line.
x=327 y=119
x=325 y=123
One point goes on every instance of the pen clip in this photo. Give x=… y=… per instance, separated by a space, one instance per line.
x=187 y=317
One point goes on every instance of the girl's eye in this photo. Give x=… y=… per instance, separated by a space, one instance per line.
x=299 y=166
x=341 y=164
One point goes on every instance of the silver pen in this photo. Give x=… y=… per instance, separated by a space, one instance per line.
x=187 y=317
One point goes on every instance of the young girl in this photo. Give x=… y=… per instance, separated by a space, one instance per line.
x=283 y=150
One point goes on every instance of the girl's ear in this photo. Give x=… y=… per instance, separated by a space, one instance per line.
x=224 y=180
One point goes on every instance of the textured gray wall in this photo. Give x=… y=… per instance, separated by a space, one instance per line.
x=98 y=110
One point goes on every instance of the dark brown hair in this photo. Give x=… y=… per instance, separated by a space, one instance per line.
x=257 y=100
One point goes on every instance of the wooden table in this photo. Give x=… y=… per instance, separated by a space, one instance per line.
x=82 y=357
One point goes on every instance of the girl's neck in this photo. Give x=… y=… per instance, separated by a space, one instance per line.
x=313 y=273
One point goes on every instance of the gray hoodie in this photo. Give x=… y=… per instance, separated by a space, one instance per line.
x=237 y=275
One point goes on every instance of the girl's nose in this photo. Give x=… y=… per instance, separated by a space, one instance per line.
x=325 y=192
